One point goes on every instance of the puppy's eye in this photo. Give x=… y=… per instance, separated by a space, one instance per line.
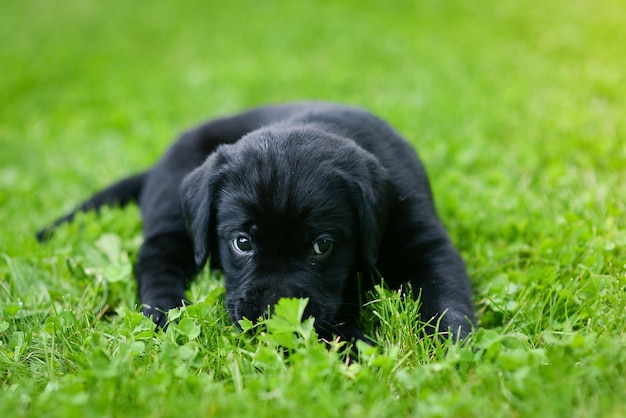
x=322 y=246
x=242 y=244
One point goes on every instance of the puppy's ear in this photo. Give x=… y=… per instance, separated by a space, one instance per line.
x=197 y=196
x=374 y=195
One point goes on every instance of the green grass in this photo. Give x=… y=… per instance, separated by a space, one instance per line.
x=517 y=109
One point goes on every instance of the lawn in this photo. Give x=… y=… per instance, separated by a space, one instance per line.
x=517 y=109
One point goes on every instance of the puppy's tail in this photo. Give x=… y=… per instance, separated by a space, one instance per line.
x=118 y=194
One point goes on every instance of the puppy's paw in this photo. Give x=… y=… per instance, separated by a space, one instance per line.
x=453 y=324
x=156 y=309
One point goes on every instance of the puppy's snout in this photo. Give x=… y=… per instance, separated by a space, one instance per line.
x=260 y=302
x=254 y=304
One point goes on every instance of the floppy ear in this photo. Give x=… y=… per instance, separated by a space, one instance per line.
x=374 y=196
x=197 y=196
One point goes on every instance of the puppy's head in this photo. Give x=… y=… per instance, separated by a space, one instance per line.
x=287 y=213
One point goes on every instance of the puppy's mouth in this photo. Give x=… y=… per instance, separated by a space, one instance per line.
x=255 y=308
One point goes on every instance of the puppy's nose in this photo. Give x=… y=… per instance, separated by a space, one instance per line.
x=259 y=305
x=265 y=315
x=267 y=311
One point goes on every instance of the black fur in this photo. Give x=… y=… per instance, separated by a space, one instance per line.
x=293 y=201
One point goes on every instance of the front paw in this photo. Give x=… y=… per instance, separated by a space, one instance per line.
x=156 y=309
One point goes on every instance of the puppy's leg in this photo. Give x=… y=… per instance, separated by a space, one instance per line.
x=417 y=250
x=165 y=262
x=164 y=266
x=446 y=297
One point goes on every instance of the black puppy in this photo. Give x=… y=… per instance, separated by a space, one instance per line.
x=294 y=200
